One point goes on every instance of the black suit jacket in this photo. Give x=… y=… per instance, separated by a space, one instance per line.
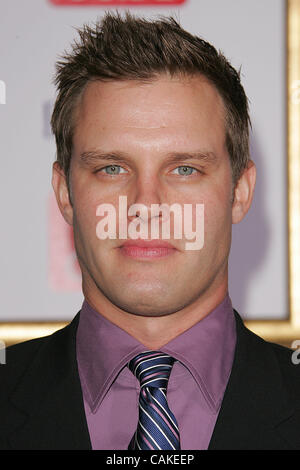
x=41 y=404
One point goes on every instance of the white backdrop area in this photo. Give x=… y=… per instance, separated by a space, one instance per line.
x=40 y=279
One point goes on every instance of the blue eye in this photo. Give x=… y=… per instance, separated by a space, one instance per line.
x=187 y=170
x=115 y=169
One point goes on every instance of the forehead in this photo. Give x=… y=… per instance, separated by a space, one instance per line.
x=174 y=106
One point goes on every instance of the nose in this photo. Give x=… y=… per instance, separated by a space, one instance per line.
x=147 y=196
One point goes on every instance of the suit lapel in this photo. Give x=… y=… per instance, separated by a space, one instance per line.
x=256 y=411
x=255 y=401
x=52 y=408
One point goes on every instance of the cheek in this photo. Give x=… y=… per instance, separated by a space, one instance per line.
x=85 y=218
x=217 y=214
x=86 y=199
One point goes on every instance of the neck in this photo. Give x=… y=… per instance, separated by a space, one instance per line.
x=154 y=332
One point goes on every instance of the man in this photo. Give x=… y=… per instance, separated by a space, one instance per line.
x=156 y=358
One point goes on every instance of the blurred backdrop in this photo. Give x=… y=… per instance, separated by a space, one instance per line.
x=40 y=279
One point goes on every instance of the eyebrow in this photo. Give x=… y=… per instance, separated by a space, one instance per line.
x=95 y=156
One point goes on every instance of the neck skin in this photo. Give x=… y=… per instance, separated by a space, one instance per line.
x=154 y=332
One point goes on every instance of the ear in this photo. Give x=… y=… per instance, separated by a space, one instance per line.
x=59 y=184
x=243 y=193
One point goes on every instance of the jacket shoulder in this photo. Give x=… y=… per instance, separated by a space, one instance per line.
x=272 y=360
x=289 y=364
x=21 y=356
x=18 y=358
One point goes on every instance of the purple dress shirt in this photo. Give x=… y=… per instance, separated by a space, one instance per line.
x=204 y=356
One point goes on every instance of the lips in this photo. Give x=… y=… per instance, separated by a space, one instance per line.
x=147 y=249
x=147 y=244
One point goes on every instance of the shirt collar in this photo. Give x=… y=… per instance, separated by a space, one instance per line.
x=206 y=349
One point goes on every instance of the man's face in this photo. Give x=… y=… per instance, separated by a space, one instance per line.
x=147 y=124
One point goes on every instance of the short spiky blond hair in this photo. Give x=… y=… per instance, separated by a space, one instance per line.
x=131 y=48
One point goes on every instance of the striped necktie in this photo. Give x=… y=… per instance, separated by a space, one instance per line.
x=157 y=427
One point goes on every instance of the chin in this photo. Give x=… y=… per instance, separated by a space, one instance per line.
x=148 y=312
x=146 y=308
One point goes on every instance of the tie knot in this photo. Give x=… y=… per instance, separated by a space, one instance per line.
x=152 y=368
